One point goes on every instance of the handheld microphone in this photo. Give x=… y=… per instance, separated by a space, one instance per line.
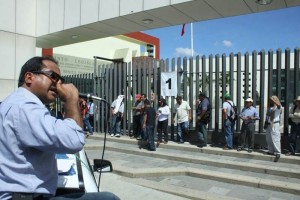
x=89 y=96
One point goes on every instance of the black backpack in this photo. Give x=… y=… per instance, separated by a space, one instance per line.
x=233 y=112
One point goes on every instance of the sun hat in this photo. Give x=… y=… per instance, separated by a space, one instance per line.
x=249 y=100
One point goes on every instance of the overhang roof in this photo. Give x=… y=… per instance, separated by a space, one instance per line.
x=175 y=14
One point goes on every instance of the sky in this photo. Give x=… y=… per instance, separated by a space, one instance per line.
x=246 y=33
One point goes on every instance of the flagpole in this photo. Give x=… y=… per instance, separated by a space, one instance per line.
x=192 y=39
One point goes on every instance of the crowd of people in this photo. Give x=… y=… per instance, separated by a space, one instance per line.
x=145 y=118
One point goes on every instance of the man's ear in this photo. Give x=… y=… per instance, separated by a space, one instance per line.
x=28 y=77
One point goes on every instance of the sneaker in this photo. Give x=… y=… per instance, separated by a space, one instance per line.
x=112 y=135
x=250 y=150
x=165 y=142
x=117 y=135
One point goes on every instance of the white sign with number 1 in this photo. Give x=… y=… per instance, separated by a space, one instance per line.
x=168 y=84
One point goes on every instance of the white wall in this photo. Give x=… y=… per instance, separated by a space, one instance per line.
x=111 y=47
x=17 y=41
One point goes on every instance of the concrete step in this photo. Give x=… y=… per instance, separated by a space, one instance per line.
x=210 y=163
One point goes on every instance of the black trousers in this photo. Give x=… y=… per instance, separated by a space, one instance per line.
x=162 y=127
x=246 y=139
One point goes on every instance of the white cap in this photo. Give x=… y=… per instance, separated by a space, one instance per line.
x=249 y=100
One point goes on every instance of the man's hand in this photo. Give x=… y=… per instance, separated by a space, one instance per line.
x=68 y=93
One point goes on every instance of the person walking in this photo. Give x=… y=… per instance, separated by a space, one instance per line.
x=163 y=119
x=183 y=115
x=229 y=122
x=117 y=110
x=91 y=106
x=294 y=114
x=272 y=125
x=249 y=115
x=203 y=118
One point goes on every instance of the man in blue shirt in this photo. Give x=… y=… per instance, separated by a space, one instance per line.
x=248 y=115
x=30 y=137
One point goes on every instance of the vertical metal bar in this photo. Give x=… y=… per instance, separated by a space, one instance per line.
x=254 y=77
x=247 y=79
x=184 y=78
x=197 y=75
x=231 y=73
x=173 y=100
x=210 y=74
x=261 y=89
x=217 y=90
x=239 y=88
x=144 y=80
x=296 y=70
x=191 y=88
x=204 y=77
x=270 y=73
x=224 y=84
x=139 y=78
x=179 y=76
x=278 y=70
x=286 y=92
x=130 y=96
x=127 y=97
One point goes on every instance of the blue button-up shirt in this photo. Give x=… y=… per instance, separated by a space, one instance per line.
x=249 y=112
x=29 y=139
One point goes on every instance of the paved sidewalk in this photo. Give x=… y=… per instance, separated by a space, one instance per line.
x=183 y=171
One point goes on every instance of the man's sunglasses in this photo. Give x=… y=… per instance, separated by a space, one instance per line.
x=52 y=75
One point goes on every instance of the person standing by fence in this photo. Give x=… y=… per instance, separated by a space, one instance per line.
x=137 y=112
x=149 y=124
x=163 y=119
x=248 y=115
x=272 y=125
x=91 y=112
x=117 y=110
x=203 y=118
x=228 y=121
x=183 y=115
x=294 y=114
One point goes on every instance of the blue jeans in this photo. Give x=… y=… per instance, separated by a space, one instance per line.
x=150 y=136
x=202 y=132
x=115 y=125
x=229 y=130
x=181 y=130
x=295 y=130
x=86 y=122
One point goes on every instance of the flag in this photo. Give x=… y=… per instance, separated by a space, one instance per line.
x=182 y=30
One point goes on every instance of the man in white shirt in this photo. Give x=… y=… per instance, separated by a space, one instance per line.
x=183 y=115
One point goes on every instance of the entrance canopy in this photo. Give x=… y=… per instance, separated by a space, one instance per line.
x=71 y=21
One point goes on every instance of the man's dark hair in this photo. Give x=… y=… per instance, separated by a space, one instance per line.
x=147 y=102
x=33 y=64
x=143 y=94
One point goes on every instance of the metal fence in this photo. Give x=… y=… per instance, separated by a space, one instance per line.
x=258 y=75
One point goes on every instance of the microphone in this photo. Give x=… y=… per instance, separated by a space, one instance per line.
x=89 y=96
